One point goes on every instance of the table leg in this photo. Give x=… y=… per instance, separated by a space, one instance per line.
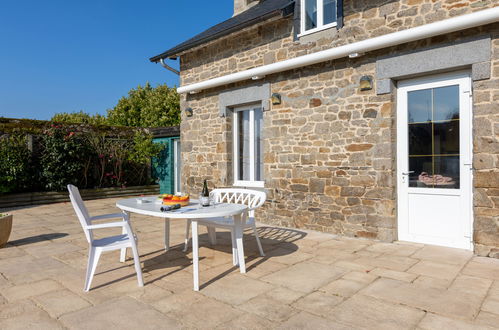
x=195 y=254
x=167 y=234
x=126 y=217
x=239 y=242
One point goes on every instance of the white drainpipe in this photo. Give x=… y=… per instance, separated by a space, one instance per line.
x=458 y=23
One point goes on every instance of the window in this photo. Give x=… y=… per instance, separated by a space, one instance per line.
x=317 y=15
x=248 y=146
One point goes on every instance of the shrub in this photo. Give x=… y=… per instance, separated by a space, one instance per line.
x=64 y=158
x=15 y=164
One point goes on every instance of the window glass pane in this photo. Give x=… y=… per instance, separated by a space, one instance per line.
x=446 y=137
x=310 y=14
x=419 y=169
x=420 y=139
x=446 y=172
x=259 y=144
x=329 y=11
x=243 y=145
x=446 y=103
x=419 y=106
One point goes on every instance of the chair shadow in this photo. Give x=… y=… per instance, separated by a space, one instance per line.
x=36 y=239
x=276 y=242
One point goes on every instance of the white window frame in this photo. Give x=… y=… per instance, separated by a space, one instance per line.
x=252 y=182
x=320 y=19
x=176 y=167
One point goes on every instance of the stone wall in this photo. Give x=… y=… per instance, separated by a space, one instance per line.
x=330 y=148
x=486 y=157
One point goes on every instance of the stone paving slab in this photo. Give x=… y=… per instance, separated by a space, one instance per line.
x=308 y=280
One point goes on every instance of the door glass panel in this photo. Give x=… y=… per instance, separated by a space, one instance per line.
x=329 y=11
x=310 y=14
x=446 y=172
x=446 y=103
x=419 y=104
x=420 y=139
x=433 y=141
x=419 y=167
x=446 y=135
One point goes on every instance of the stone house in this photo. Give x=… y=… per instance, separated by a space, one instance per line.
x=364 y=118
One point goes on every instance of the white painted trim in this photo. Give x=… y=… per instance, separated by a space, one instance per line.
x=462 y=79
x=449 y=25
x=320 y=19
x=252 y=147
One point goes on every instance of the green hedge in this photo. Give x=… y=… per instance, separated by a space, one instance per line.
x=77 y=154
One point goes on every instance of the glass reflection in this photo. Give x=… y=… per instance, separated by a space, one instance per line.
x=446 y=137
x=329 y=11
x=243 y=141
x=259 y=144
x=446 y=103
x=446 y=172
x=419 y=104
x=419 y=166
x=310 y=14
x=420 y=139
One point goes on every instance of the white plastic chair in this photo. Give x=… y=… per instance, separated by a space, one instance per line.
x=251 y=198
x=96 y=246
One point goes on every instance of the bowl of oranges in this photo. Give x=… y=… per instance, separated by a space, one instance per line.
x=169 y=199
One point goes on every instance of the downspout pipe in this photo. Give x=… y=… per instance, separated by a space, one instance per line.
x=167 y=67
x=449 y=25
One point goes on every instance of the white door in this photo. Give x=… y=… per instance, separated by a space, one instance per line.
x=434 y=160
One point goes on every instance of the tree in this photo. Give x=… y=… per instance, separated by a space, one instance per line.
x=143 y=107
x=147 y=107
x=79 y=118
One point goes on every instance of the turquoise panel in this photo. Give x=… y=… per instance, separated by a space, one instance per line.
x=162 y=166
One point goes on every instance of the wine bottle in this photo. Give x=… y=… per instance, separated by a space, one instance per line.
x=205 y=195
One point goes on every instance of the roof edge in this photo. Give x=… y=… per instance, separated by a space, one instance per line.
x=173 y=52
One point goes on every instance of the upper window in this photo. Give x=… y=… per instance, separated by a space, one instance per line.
x=318 y=15
x=248 y=147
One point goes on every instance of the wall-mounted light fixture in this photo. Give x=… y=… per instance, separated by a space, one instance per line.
x=276 y=99
x=366 y=83
x=188 y=112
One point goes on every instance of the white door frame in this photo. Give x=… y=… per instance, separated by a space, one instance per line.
x=466 y=155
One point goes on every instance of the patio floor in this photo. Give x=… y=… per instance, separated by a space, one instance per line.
x=307 y=280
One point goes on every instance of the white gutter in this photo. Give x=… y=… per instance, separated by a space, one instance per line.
x=454 y=24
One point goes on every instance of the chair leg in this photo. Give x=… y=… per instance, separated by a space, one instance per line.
x=136 y=262
x=93 y=260
x=186 y=241
x=234 y=247
x=123 y=255
x=212 y=235
x=126 y=217
x=258 y=241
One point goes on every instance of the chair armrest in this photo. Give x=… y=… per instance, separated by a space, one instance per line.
x=108 y=225
x=107 y=216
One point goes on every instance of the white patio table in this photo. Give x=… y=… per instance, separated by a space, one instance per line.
x=193 y=211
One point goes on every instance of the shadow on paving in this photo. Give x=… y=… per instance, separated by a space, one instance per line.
x=36 y=239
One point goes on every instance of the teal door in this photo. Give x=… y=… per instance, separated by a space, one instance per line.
x=163 y=166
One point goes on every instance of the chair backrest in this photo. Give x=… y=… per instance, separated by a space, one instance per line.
x=251 y=198
x=81 y=210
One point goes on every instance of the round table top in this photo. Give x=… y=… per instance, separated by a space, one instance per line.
x=150 y=205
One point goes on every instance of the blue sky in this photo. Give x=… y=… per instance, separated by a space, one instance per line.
x=66 y=56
